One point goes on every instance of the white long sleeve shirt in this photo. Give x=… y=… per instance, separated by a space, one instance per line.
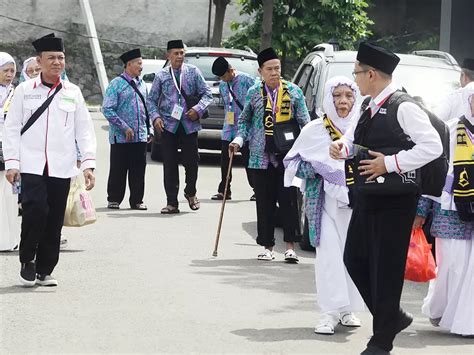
x=452 y=106
x=51 y=140
x=416 y=124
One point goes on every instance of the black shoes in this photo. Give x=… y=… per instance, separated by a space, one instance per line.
x=28 y=274
x=113 y=205
x=404 y=321
x=139 y=206
x=374 y=350
x=46 y=280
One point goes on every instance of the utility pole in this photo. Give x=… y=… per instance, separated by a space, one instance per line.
x=96 y=53
x=209 y=24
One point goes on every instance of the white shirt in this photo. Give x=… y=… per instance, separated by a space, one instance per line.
x=416 y=124
x=450 y=107
x=52 y=138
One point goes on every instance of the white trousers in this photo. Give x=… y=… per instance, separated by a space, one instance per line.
x=336 y=291
x=451 y=295
x=9 y=220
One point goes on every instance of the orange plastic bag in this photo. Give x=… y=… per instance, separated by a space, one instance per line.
x=420 y=266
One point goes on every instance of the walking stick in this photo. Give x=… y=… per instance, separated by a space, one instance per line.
x=229 y=169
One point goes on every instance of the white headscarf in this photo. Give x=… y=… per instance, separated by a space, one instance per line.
x=329 y=105
x=24 y=74
x=467 y=97
x=6 y=58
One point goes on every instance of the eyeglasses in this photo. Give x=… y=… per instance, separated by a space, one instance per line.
x=354 y=73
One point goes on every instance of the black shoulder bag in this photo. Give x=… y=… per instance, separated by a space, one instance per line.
x=34 y=117
x=134 y=87
x=241 y=107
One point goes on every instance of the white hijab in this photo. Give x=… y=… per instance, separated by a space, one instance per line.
x=329 y=105
x=312 y=146
x=6 y=58
x=25 y=67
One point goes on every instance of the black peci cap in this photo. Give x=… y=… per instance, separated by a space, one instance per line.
x=176 y=43
x=127 y=56
x=220 y=66
x=378 y=57
x=48 y=43
x=468 y=63
x=265 y=55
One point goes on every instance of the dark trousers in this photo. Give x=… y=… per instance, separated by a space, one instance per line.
x=225 y=166
x=127 y=158
x=269 y=190
x=190 y=160
x=375 y=257
x=44 y=202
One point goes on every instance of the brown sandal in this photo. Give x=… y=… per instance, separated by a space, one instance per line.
x=169 y=210
x=193 y=202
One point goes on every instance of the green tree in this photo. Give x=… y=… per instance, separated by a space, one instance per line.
x=298 y=25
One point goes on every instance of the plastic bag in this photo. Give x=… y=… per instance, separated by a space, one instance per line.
x=80 y=209
x=420 y=266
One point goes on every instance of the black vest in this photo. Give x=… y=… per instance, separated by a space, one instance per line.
x=378 y=134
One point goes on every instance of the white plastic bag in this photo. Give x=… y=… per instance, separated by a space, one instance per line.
x=80 y=209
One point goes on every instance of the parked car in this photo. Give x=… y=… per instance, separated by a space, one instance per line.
x=150 y=67
x=209 y=138
x=427 y=75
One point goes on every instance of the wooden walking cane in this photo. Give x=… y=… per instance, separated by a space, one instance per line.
x=229 y=169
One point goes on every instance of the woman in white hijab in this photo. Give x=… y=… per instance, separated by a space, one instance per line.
x=30 y=69
x=9 y=222
x=323 y=181
x=449 y=302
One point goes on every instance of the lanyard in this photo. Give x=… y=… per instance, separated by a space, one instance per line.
x=176 y=82
x=273 y=100
x=231 y=97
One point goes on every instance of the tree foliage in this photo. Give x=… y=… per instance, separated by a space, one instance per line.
x=298 y=25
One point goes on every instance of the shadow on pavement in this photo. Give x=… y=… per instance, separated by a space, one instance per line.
x=17 y=289
x=147 y=214
x=414 y=338
x=254 y=274
x=271 y=335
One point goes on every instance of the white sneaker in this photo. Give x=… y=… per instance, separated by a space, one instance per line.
x=327 y=324
x=46 y=280
x=291 y=257
x=348 y=319
x=267 y=255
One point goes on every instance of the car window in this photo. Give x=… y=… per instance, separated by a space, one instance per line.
x=304 y=77
x=431 y=84
x=204 y=63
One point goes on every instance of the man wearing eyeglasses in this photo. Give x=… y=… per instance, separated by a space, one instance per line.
x=381 y=224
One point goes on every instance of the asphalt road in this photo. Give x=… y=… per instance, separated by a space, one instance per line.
x=142 y=282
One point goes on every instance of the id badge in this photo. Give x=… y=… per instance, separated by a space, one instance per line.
x=230 y=117
x=177 y=112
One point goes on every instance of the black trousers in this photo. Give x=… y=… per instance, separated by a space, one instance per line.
x=269 y=190
x=127 y=158
x=190 y=160
x=225 y=165
x=44 y=201
x=375 y=257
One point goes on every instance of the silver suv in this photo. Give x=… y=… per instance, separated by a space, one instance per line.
x=209 y=138
x=427 y=75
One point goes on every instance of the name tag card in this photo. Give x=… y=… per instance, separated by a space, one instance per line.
x=177 y=112
x=289 y=136
x=230 y=118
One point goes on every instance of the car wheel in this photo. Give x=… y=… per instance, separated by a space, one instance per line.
x=305 y=243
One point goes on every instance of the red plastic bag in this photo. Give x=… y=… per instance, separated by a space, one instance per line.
x=420 y=266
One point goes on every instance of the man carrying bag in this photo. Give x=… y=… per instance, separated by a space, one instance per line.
x=46 y=119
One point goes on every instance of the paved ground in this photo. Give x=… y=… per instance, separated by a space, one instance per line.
x=141 y=282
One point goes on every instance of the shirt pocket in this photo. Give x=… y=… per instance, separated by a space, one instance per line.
x=67 y=106
x=29 y=107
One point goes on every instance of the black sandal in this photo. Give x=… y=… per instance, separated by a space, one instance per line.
x=193 y=202
x=220 y=196
x=169 y=210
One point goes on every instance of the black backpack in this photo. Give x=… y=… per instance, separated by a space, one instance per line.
x=433 y=174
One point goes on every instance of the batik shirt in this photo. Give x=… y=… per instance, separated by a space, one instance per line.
x=251 y=123
x=446 y=223
x=239 y=85
x=124 y=109
x=164 y=95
